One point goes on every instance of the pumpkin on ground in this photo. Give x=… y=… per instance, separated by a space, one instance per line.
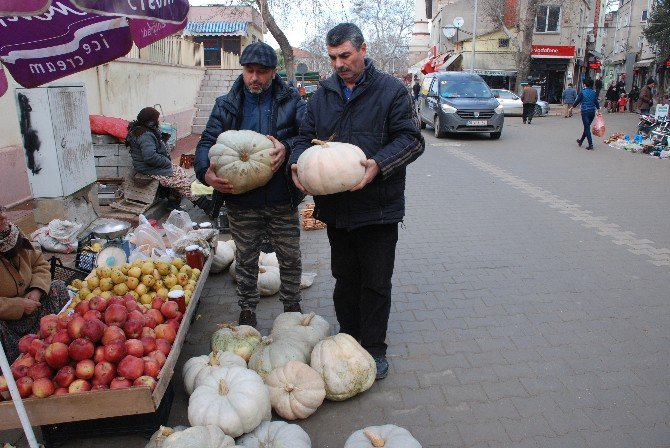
x=232 y=270
x=243 y=158
x=222 y=258
x=200 y=366
x=241 y=340
x=268 y=259
x=276 y=435
x=310 y=327
x=276 y=351
x=296 y=390
x=346 y=367
x=233 y=398
x=388 y=436
x=330 y=167
x=269 y=280
x=193 y=437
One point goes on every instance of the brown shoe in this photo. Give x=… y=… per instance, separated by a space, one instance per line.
x=248 y=317
x=292 y=307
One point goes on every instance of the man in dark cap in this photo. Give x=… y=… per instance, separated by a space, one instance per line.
x=260 y=101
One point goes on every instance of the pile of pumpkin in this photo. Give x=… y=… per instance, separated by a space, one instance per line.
x=234 y=389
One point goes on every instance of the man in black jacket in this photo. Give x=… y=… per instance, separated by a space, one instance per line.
x=260 y=101
x=372 y=110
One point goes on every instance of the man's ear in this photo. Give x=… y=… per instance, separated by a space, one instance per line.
x=363 y=47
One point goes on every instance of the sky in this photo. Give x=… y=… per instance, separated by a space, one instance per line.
x=294 y=34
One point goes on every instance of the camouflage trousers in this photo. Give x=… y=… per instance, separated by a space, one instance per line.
x=249 y=227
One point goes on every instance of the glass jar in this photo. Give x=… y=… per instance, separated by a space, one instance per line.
x=178 y=296
x=194 y=257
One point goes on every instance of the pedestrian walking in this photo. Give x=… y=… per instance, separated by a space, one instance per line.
x=598 y=85
x=568 y=98
x=632 y=98
x=259 y=100
x=528 y=98
x=587 y=98
x=646 y=97
x=416 y=88
x=368 y=108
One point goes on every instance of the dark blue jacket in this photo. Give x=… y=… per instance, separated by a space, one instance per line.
x=379 y=119
x=286 y=114
x=588 y=99
x=569 y=95
x=149 y=153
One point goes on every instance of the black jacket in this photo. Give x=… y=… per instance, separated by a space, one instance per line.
x=379 y=119
x=149 y=153
x=287 y=112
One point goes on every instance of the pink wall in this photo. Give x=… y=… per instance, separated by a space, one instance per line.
x=183 y=120
x=15 y=186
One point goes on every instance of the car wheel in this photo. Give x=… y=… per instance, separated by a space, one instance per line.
x=538 y=111
x=422 y=124
x=495 y=135
x=438 y=131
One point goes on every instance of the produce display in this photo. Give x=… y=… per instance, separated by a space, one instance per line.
x=242 y=157
x=388 y=436
x=105 y=344
x=331 y=167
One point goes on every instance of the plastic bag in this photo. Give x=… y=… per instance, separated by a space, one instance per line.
x=58 y=236
x=118 y=127
x=177 y=226
x=145 y=234
x=598 y=125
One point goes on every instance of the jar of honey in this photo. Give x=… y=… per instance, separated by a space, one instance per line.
x=194 y=257
x=178 y=296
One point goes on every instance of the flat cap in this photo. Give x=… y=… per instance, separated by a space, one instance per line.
x=259 y=53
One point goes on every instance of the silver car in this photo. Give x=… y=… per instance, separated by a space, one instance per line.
x=512 y=104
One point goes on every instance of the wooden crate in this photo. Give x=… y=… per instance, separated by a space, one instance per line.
x=106 y=403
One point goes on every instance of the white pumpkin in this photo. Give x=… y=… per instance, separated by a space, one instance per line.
x=346 y=367
x=222 y=258
x=231 y=243
x=200 y=366
x=199 y=437
x=330 y=167
x=243 y=158
x=276 y=435
x=296 y=390
x=310 y=327
x=241 y=340
x=232 y=270
x=275 y=352
x=232 y=398
x=388 y=436
x=158 y=438
x=268 y=259
x=269 y=280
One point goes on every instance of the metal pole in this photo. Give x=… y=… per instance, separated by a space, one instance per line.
x=16 y=399
x=474 y=38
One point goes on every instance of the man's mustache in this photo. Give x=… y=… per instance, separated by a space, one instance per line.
x=343 y=70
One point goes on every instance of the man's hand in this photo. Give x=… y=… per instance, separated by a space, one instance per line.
x=29 y=306
x=371 y=170
x=278 y=153
x=296 y=181
x=219 y=184
x=34 y=294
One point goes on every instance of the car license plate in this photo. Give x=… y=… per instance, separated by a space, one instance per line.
x=476 y=123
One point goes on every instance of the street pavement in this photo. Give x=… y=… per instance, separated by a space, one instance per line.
x=530 y=303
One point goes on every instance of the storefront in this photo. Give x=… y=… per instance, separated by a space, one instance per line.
x=551 y=69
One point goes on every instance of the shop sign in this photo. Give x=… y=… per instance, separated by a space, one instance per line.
x=553 y=51
x=662 y=110
x=595 y=65
x=495 y=72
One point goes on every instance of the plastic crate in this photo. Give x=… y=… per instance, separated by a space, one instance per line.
x=86 y=258
x=141 y=424
x=63 y=273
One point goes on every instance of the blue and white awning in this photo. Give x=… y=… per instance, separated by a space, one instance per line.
x=216 y=28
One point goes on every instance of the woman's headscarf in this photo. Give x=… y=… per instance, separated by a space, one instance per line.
x=9 y=238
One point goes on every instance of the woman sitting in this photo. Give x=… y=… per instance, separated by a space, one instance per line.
x=26 y=290
x=151 y=157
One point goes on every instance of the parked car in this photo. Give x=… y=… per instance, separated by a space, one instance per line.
x=512 y=104
x=458 y=102
x=310 y=89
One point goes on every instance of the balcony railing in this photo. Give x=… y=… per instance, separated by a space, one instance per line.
x=173 y=50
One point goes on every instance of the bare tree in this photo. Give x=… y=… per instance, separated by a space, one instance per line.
x=315 y=43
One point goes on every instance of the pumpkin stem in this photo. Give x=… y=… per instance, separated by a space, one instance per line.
x=376 y=440
x=288 y=387
x=262 y=270
x=231 y=326
x=307 y=319
x=244 y=157
x=223 y=388
x=213 y=360
x=266 y=341
x=166 y=431
x=316 y=141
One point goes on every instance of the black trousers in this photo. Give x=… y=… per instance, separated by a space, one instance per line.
x=362 y=263
x=528 y=111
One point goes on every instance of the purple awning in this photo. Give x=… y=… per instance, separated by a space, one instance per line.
x=169 y=11
x=23 y=7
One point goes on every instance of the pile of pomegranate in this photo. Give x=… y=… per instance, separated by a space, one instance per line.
x=105 y=344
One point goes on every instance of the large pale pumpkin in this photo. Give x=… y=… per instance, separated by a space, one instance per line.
x=269 y=280
x=310 y=327
x=241 y=340
x=243 y=158
x=223 y=256
x=233 y=398
x=193 y=437
x=296 y=390
x=346 y=367
x=330 y=167
x=276 y=351
x=276 y=435
x=201 y=366
x=388 y=436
